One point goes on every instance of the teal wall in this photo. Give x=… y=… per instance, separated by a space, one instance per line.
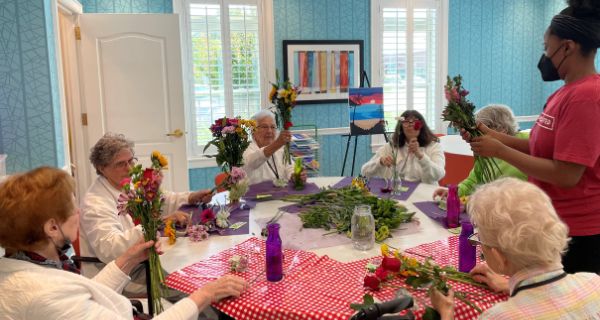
x=127 y=6
x=30 y=120
x=490 y=44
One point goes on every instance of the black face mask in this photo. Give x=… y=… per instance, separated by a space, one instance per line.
x=548 y=70
x=66 y=244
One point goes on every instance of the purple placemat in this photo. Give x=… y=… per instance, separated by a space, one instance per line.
x=237 y=215
x=375 y=185
x=267 y=187
x=431 y=209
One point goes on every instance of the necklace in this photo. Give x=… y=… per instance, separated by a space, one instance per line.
x=539 y=284
x=275 y=171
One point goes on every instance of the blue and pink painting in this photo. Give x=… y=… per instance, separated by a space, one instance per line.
x=366 y=111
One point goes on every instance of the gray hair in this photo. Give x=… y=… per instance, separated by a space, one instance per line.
x=518 y=218
x=263 y=114
x=498 y=117
x=103 y=152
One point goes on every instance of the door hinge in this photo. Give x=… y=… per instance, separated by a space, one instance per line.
x=84 y=119
x=77 y=33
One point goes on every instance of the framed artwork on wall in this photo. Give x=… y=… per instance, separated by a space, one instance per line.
x=323 y=70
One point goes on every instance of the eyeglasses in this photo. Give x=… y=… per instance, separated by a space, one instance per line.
x=264 y=127
x=125 y=163
x=474 y=240
x=408 y=123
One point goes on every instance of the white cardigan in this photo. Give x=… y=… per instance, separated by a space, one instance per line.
x=30 y=291
x=105 y=234
x=257 y=169
x=429 y=169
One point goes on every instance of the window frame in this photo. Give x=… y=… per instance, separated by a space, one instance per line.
x=196 y=158
x=441 y=55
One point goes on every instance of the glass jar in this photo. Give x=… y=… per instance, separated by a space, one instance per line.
x=363 y=228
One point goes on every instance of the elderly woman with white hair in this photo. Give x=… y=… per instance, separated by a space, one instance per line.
x=522 y=237
x=500 y=118
x=105 y=234
x=263 y=160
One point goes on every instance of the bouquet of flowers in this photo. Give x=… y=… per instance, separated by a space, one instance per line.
x=460 y=113
x=143 y=200
x=230 y=137
x=425 y=274
x=283 y=97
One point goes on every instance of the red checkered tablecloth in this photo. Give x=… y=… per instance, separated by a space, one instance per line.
x=313 y=287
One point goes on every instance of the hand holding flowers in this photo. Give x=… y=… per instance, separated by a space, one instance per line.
x=283 y=97
x=461 y=114
x=231 y=138
x=143 y=200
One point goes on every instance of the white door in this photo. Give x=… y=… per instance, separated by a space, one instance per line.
x=132 y=84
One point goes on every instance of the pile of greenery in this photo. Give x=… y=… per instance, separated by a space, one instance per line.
x=333 y=209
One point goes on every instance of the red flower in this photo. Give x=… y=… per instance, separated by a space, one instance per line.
x=391 y=264
x=372 y=282
x=288 y=125
x=148 y=175
x=207 y=216
x=418 y=124
x=381 y=273
x=125 y=182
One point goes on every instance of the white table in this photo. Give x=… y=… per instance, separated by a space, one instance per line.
x=185 y=252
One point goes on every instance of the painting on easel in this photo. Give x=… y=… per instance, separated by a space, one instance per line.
x=366 y=111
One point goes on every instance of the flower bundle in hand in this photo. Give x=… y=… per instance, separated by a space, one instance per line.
x=283 y=97
x=143 y=200
x=461 y=114
x=230 y=137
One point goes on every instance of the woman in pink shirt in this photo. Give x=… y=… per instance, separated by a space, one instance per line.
x=562 y=155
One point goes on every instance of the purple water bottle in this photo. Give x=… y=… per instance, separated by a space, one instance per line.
x=452 y=207
x=466 y=251
x=274 y=261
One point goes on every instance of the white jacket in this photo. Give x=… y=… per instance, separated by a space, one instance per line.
x=105 y=234
x=257 y=169
x=31 y=291
x=428 y=169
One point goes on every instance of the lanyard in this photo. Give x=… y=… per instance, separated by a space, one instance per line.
x=539 y=284
x=275 y=171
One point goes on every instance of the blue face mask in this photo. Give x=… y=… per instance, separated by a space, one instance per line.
x=547 y=69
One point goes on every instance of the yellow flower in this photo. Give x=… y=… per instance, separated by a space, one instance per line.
x=138 y=200
x=272 y=93
x=170 y=232
x=239 y=130
x=161 y=159
x=385 y=250
x=464 y=200
x=397 y=254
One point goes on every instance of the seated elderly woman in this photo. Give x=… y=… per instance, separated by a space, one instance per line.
x=39 y=221
x=263 y=160
x=419 y=154
x=500 y=118
x=522 y=237
x=105 y=234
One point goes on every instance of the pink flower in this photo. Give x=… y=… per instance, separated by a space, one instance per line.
x=237 y=174
x=464 y=93
x=228 y=129
x=207 y=215
x=197 y=233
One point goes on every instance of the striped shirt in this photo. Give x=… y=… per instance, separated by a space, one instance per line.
x=574 y=296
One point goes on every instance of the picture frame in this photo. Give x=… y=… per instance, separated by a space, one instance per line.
x=323 y=70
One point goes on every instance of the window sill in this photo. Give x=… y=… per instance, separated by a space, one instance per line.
x=201 y=162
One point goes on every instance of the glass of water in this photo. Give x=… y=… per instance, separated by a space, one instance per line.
x=363 y=228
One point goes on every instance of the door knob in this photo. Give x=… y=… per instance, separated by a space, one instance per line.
x=177 y=133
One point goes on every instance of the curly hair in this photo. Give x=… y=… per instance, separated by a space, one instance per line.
x=425 y=135
x=105 y=150
x=518 y=218
x=30 y=199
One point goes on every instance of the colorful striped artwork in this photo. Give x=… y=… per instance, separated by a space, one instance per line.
x=319 y=72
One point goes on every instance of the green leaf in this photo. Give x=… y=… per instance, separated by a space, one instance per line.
x=367 y=301
x=417 y=282
x=431 y=314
